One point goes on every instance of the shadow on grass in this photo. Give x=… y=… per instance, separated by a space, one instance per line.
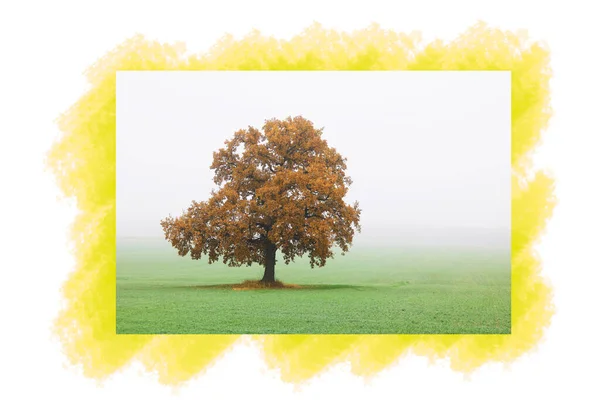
x=284 y=287
x=257 y=285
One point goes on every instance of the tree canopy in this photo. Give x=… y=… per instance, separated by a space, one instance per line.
x=281 y=188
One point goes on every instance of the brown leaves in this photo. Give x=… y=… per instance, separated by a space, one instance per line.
x=283 y=186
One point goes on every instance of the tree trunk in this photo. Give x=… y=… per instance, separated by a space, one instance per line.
x=270 y=251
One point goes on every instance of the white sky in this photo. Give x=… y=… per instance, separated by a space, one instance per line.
x=429 y=152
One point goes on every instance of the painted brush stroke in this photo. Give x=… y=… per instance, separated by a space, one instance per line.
x=83 y=160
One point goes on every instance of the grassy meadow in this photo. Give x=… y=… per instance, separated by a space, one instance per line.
x=367 y=291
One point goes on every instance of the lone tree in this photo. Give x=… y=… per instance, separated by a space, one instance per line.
x=280 y=189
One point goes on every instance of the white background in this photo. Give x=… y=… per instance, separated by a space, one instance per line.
x=47 y=45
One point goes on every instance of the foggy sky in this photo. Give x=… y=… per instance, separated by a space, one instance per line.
x=429 y=152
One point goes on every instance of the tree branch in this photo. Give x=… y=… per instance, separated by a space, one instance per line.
x=310 y=215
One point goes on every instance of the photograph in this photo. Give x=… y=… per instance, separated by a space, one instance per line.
x=313 y=202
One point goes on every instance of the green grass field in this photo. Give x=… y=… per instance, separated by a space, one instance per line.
x=367 y=291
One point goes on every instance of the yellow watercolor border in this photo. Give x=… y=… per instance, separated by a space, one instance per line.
x=83 y=161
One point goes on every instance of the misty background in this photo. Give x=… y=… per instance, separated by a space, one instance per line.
x=428 y=152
